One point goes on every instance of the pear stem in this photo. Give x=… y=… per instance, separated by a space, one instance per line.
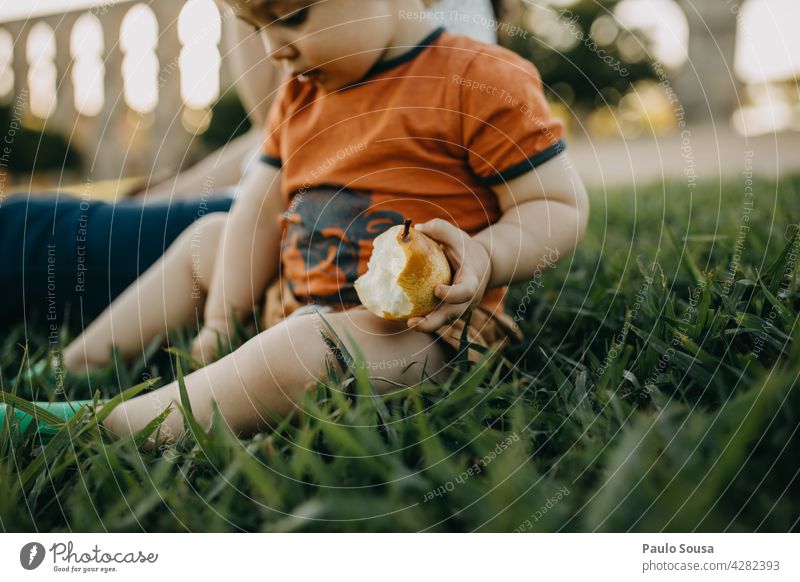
x=406 y=228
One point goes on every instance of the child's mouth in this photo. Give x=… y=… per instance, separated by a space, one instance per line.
x=311 y=76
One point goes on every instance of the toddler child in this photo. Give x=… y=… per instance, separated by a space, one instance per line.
x=384 y=117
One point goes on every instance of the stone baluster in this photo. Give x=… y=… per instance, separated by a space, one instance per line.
x=86 y=131
x=103 y=136
x=62 y=119
x=19 y=31
x=171 y=141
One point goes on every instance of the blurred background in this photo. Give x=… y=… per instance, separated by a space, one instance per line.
x=107 y=90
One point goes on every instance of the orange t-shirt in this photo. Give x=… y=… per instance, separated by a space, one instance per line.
x=424 y=135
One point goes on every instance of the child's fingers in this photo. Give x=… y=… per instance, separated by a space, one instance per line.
x=447 y=234
x=442 y=315
x=460 y=292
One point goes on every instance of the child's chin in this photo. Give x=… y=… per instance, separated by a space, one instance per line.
x=328 y=84
x=319 y=82
x=331 y=84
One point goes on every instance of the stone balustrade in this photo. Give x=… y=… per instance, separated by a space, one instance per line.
x=107 y=49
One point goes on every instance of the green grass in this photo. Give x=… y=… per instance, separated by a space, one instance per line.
x=649 y=395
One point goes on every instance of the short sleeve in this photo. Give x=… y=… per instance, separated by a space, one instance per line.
x=271 y=149
x=507 y=126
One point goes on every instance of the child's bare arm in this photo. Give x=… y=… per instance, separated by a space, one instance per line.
x=544 y=216
x=248 y=253
x=545 y=212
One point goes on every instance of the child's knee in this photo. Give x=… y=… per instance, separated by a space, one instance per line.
x=391 y=353
x=281 y=363
x=270 y=373
x=298 y=350
x=198 y=244
x=304 y=347
x=208 y=226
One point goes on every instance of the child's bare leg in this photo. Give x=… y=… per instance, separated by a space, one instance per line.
x=272 y=371
x=169 y=294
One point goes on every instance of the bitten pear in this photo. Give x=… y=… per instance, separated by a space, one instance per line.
x=403 y=272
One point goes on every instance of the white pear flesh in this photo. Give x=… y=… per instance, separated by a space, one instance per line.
x=393 y=289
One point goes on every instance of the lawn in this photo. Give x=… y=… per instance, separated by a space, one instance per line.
x=656 y=390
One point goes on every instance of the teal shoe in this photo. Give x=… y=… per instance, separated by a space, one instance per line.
x=41 y=372
x=62 y=410
x=31 y=372
x=51 y=373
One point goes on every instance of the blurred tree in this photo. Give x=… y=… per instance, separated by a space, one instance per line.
x=586 y=59
x=31 y=150
x=228 y=121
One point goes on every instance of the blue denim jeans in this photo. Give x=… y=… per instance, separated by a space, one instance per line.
x=61 y=255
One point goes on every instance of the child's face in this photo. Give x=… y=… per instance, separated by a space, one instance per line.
x=330 y=42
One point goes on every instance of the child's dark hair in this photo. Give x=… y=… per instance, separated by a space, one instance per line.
x=497 y=8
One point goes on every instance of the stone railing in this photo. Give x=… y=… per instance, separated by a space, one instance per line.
x=130 y=115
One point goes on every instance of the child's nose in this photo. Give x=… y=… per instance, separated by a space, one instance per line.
x=280 y=45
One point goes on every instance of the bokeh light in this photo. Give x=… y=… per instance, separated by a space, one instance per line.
x=41 y=53
x=88 y=72
x=138 y=41
x=199 y=31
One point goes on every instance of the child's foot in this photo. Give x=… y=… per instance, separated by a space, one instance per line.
x=46 y=431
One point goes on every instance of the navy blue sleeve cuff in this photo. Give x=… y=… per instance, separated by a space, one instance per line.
x=525 y=166
x=275 y=162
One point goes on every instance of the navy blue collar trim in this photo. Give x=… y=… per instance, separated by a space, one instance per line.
x=382 y=66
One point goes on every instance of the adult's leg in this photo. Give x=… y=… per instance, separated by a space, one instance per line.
x=271 y=372
x=58 y=251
